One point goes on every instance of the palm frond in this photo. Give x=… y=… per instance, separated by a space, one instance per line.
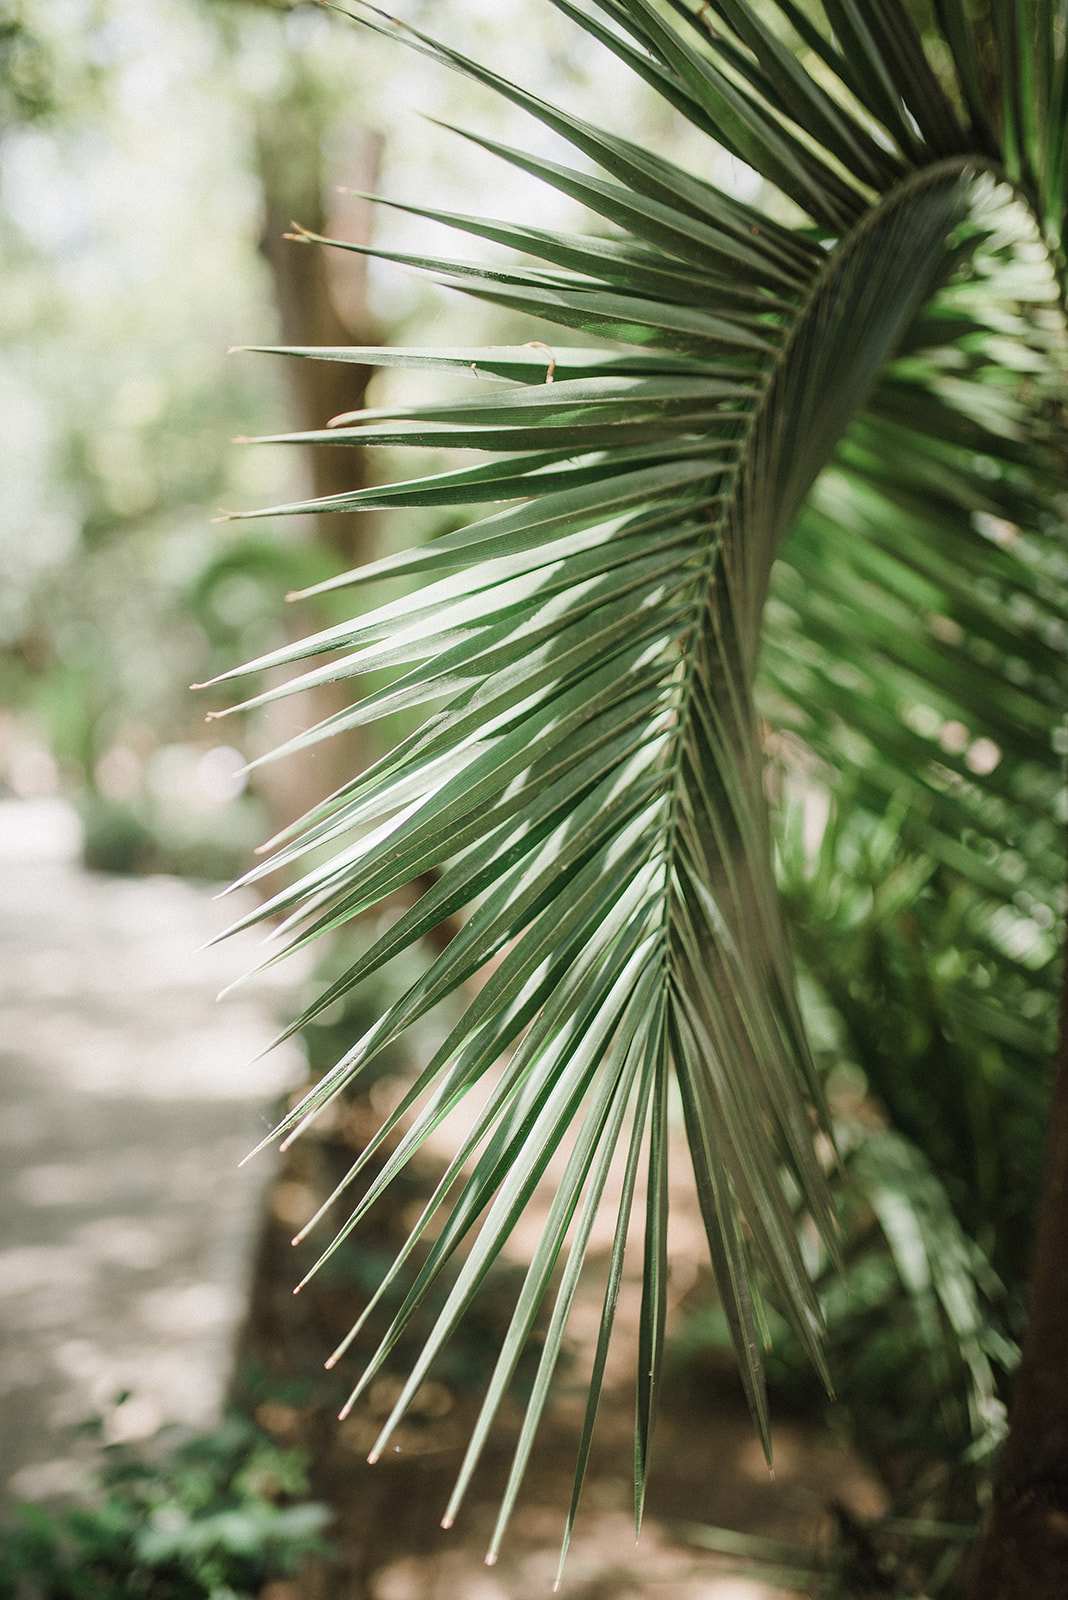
x=588 y=784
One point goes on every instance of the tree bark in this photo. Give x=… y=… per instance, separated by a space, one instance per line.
x=321 y=296
x=1022 y=1553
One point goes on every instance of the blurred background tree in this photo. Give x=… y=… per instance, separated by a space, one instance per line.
x=151 y=158
x=129 y=265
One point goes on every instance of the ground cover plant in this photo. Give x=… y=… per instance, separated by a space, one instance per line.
x=210 y=1516
x=801 y=490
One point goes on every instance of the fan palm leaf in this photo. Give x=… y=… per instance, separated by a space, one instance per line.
x=588 y=784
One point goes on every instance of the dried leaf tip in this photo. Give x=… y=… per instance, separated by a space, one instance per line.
x=536 y=344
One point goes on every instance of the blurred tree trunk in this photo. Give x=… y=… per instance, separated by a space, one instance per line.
x=322 y=300
x=1023 y=1546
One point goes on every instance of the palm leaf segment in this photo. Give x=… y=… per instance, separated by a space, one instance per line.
x=588 y=782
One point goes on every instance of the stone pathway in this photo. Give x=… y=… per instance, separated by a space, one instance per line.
x=127 y=1098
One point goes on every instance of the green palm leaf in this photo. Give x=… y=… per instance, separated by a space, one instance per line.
x=588 y=785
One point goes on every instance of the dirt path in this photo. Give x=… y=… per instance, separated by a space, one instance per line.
x=708 y=1466
x=127 y=1098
